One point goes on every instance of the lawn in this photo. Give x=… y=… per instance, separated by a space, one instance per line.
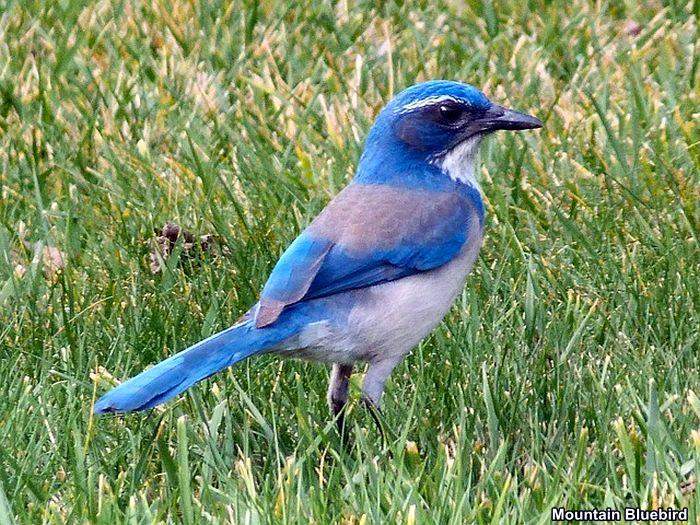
x=568 y=372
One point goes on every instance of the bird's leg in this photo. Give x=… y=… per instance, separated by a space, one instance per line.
x=372 y=389
x=338 y=387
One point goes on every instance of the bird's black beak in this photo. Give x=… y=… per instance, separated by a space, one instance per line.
x=497 y=117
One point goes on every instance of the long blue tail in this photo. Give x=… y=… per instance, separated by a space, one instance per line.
x=179 y=372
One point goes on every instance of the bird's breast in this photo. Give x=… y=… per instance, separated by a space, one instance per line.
x=393 y=317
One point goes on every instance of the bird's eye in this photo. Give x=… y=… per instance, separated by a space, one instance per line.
x=449 y=114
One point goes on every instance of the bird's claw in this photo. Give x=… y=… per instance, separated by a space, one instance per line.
x=375 y=412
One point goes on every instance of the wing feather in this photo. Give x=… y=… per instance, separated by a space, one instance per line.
x=367 y=235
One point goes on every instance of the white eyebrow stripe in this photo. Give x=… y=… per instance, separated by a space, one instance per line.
x=429 y=101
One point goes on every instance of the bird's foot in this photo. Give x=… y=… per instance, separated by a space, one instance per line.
x=376 y=414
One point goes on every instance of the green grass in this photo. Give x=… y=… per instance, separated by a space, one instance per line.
x=564 y=375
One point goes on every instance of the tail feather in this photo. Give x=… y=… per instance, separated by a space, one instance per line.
x=179 y=372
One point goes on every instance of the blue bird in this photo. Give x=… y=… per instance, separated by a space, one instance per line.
x=377 y=270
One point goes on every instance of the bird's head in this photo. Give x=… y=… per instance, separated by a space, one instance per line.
x=439 y=122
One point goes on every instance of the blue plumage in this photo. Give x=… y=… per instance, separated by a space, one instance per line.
x=377 y=269
x=326 y=259
x=296 y=269
x=179 y=372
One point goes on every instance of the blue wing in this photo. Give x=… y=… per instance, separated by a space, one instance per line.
x=367 y=235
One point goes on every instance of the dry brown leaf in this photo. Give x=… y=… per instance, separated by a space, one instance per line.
x=166 y=239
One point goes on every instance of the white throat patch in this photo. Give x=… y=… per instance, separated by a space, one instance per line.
x=460 y=162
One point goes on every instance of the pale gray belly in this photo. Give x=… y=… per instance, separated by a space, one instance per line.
x=386 y=321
